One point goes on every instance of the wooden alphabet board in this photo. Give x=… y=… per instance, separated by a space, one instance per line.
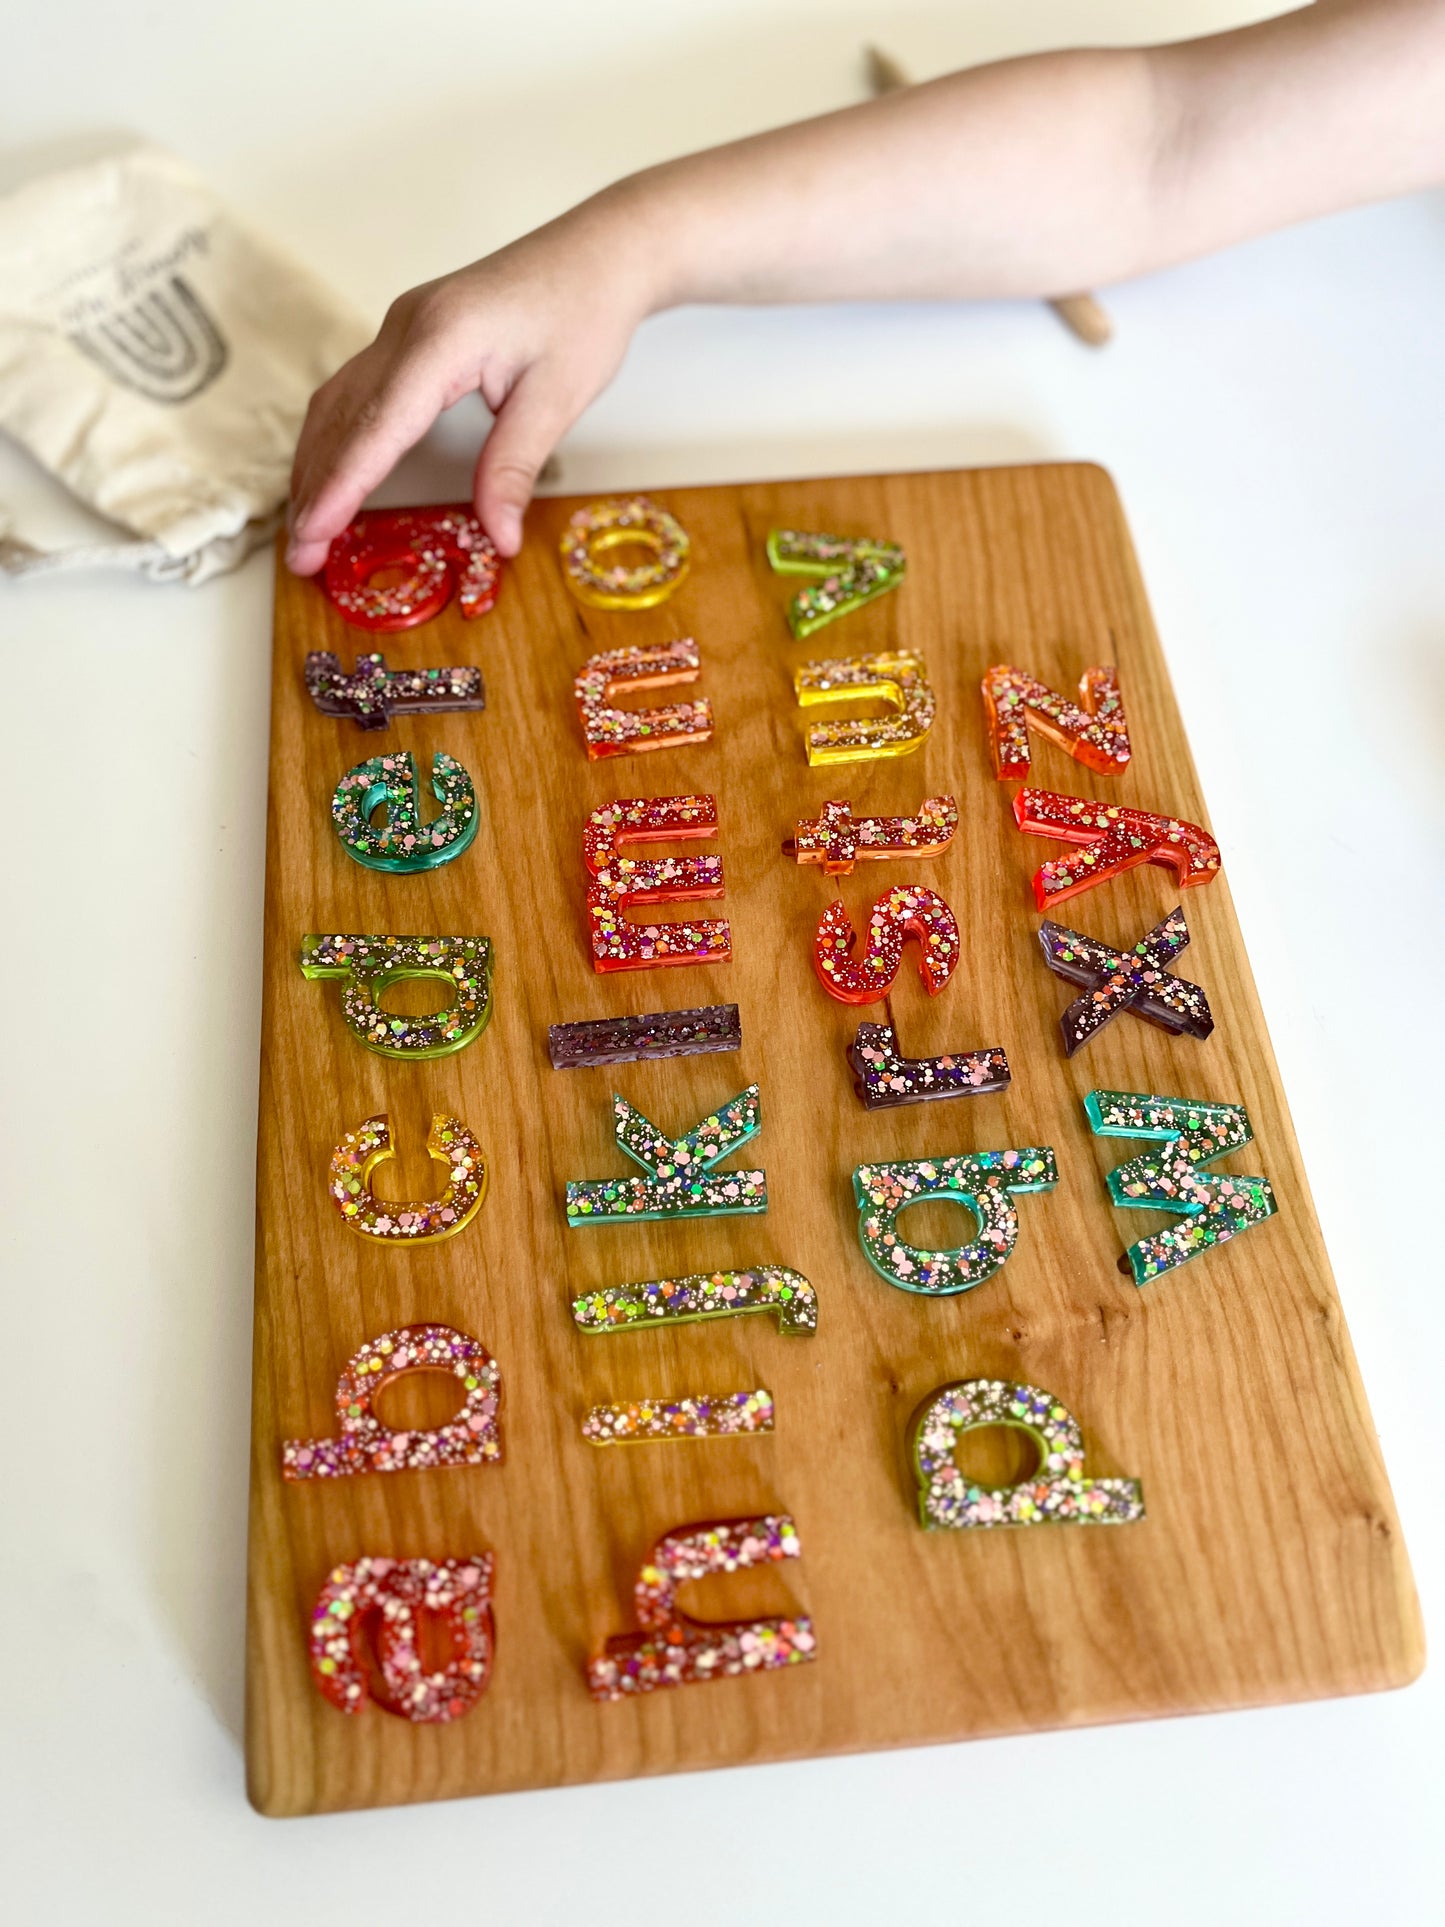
x=1269 y=1566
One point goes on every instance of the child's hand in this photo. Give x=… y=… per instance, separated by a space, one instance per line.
x=539 y=328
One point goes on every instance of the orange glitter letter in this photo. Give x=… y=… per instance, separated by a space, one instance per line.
x=1094 y=730
x=620 y=732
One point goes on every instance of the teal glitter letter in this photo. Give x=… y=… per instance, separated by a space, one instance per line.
x=1190 y=1134
x=982 y=1180
x=682 y=1183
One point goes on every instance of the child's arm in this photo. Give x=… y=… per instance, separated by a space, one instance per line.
x=1029 y=177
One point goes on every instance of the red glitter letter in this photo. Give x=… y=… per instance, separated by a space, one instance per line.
x=1096 y=734
x=1114 y=839
x=897 y=915
x=620 y=882
x=440 y=549
x=390 y=1595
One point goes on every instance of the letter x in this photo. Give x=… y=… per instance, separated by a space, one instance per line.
x=1116 y=980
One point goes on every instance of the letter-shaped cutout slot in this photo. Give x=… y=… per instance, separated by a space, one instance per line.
x=386 y=1600
x=1059 y=1490
x=366 y=1443
x=1094 y=731
x=397 y=568
x=673 y=1649
x=986 y=1182
x=367 y=965
x=1214 y=1206
x=449 y=1143
x=610 y=731
x=897 y=678
x=682 y=1181
x=620 y=883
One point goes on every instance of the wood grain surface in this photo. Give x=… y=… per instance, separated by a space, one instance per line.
x=1270 y=1566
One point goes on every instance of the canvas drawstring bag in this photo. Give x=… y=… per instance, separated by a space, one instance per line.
x=157 y=357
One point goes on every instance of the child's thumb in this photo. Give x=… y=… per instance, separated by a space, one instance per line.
x=528 y=427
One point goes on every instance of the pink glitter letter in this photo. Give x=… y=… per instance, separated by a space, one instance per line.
x=368 y=1444
x=672 y=1648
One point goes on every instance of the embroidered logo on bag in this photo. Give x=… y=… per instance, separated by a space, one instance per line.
x=163 y=344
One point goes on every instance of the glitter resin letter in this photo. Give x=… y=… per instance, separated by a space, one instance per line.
x=1114 y=839
x=681 y=1182
x=372 y=694
x=1136 y=980
x=985 y=1181
x=837 y=839
x=368 y=966
x=1094 y=730
x=634 y=523
x=367 y=1444
x=449 y=1142
x=433 y=551
x=1214 y=1207
x=620 y=883
x=404 y=843
x=897 y=678
x=886 y=1078
x=785 y=1293
x=610 y=731
x=674 y=1649
x=901 y=913
x=1060 y=1491
x=699 y=1415
x=387 y=1597
x=661 y=1033
x=851 y=571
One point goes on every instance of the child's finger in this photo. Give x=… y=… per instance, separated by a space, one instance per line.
x=357 y=447
x=530 y=423
x=328 y=417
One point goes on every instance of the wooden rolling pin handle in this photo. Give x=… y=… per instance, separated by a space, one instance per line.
x=1085 y=316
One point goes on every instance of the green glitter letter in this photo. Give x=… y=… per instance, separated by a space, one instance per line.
x=983 y=1180
x=850 y=571
x=705 y=1294
x=1190 y=1134
x=368 y=965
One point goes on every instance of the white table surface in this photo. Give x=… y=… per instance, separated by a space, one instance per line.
x=1273 y=418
